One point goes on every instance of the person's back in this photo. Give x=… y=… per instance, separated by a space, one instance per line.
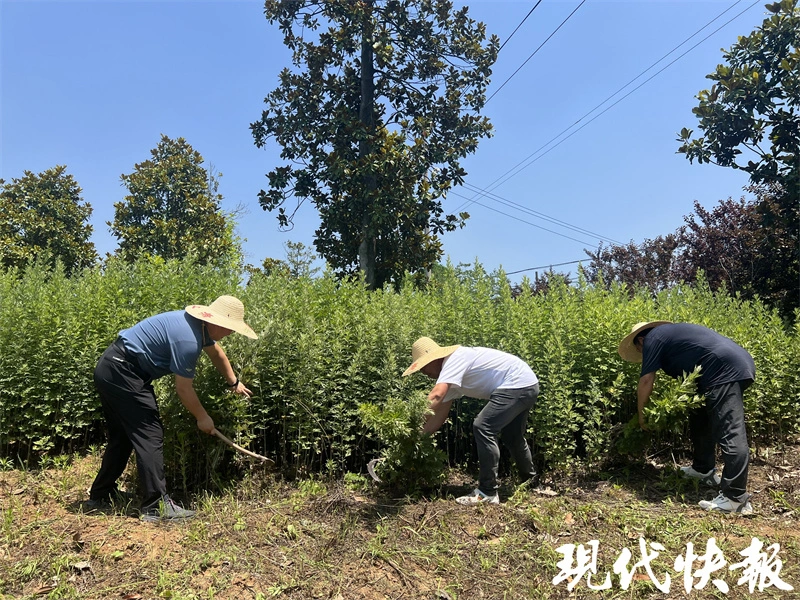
x=169 y=342
x=677 y=348
x=477 y=372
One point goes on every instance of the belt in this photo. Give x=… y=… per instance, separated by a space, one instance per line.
x=131 y=359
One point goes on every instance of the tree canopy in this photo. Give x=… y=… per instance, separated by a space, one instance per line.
x=173 y=209
x=373 y=122
x=750 y=119
x=752 y=112
x=727 y=247
x=44 y=216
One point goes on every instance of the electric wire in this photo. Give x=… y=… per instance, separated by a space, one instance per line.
x=534 y=52
x=585 y=243
x=528 y=162
x=518 y=26
x=535 y=213
x=561 y=264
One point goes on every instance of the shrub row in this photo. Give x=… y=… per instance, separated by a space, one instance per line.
x=328 y=346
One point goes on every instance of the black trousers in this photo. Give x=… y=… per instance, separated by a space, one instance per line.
x=134 y=424
x=721 y=422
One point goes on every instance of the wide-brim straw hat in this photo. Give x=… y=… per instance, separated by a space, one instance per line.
x=225 y=311
x=626 y=348
x=424 y=351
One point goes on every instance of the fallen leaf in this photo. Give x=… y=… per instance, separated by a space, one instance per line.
x=132 y=597
x=45 y=589
x=568 y=519
x=18 y=491
x=82 y=566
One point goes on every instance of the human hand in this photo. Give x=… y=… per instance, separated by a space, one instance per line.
x=206 y=425
x=242 y=390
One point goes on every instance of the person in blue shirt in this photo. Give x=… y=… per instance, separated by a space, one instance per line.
x=167 y=343
x=726 y=371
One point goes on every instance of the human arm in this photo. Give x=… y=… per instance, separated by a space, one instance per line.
x=221 y=363
x=643 y=392
x=188 y=397
x=440 y=408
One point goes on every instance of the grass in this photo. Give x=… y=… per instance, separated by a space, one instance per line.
x=341 y=539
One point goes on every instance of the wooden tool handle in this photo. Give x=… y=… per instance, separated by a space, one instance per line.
x=269 y=461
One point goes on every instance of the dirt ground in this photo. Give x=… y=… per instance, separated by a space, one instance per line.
x=267 y=538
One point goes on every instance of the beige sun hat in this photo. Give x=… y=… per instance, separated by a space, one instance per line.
x=225 y=311
x=626 y=348
x=425 y=350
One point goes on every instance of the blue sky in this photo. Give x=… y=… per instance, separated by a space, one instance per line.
x=92 y=85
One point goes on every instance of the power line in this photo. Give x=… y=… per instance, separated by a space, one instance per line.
x=522 y=165
x=527 y=222
x=518 y=26
x=534 y=52
x=530 y=211
x=525 y=163
x=572 y=262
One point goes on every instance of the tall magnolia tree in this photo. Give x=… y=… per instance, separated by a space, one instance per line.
x=750 y=119
x=373 y=122
x=173 y=209
x=44 y=214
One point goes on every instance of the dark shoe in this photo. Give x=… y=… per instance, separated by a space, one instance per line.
x=166 y=510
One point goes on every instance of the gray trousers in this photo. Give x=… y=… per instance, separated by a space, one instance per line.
x=505 y=415
x=721 y=422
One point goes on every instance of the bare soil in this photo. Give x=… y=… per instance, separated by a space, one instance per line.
x=268 y=538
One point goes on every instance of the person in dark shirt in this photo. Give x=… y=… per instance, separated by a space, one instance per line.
x=169 y=342
x=726 y=370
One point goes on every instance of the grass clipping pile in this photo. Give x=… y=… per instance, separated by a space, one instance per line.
x=409 y=462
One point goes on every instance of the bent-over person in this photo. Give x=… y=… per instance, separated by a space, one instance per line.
x=505 y=381
x=726 y=371
x=167 y=343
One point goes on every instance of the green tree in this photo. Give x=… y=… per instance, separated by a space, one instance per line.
x=45 y=215
x=298 y=264
x=373 y=122
x=173 y=209
x=750 y=119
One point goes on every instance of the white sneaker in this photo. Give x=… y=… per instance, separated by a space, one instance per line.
x=710 y=479
x=478 y=497
x=724 y=504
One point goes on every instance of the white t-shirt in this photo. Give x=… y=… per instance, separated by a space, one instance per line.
x=478 y=372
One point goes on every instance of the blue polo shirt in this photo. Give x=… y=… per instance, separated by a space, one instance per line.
x=170 y=342
x=678 y=348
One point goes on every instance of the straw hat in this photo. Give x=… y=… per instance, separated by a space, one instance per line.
x=225 y=311
x=626 y=348
x=425 y=350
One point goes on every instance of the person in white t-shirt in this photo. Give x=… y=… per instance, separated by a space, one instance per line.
x=509 y=385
